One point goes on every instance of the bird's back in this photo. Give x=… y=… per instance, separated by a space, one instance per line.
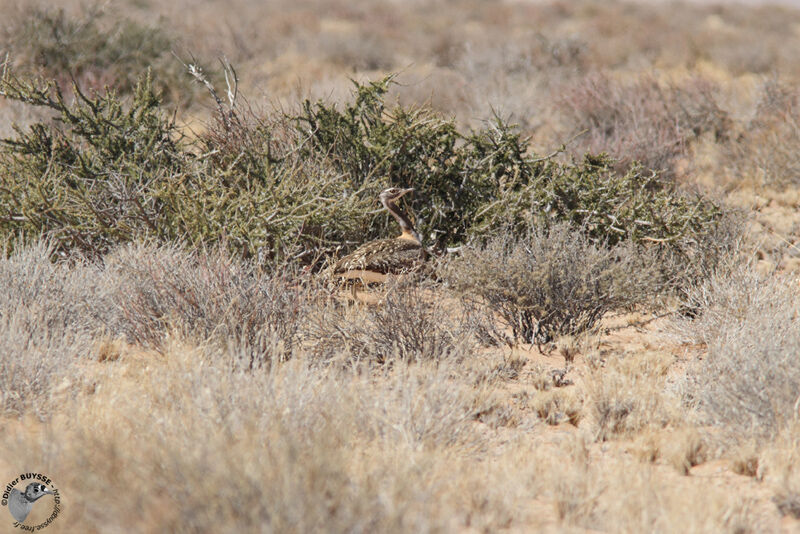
x=385 y=256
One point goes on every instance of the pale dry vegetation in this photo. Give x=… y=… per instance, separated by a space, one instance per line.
x=553 y=283
x=607 y=337
x=765 y=152
x=644 y=120
x=750 y=379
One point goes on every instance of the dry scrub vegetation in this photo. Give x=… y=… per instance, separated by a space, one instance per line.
x=608 y=336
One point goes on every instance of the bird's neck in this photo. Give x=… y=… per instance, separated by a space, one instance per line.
x=410 y=236
x=408 y=231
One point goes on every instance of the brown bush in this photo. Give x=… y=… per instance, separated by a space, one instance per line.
x=766 y=151
x=645 y=120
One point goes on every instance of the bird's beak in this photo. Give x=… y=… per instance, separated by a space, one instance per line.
x=405 y=192
x=47 y=490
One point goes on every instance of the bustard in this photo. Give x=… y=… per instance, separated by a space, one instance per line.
x=372 y=261
x=20 y=503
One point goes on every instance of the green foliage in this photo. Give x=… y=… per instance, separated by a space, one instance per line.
x=470 y=184
x=610 y=207
x=94 y=177
x=295 y=211
x=112 y=170
x=374 y=148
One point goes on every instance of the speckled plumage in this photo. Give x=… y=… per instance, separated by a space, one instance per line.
x=385 y=256
x=402 y=254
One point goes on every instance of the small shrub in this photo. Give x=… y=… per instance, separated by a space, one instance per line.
x=35 y=361
x=550 y=283
x=44 y=328
x=57 y=291
x=729 y=298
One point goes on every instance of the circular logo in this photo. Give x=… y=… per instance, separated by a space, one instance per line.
x=32 y=500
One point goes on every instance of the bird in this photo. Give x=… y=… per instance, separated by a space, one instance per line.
x=20 y=504
x=373 y=261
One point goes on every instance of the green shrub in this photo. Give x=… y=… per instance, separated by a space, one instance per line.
x=469 y=184
x=302 y=188
x=610 y=207
x=96 y=176
x=374 y=148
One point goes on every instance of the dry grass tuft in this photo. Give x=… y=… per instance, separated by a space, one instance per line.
x=293 y=448
x=44 y=328
x=622 y=495
x=558 y=406
x=779 y=468
x=627 y=393
x=746 y=465
x=410 y=324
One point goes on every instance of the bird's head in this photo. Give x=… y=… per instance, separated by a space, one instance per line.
x=35 y=490
x=393 y=194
